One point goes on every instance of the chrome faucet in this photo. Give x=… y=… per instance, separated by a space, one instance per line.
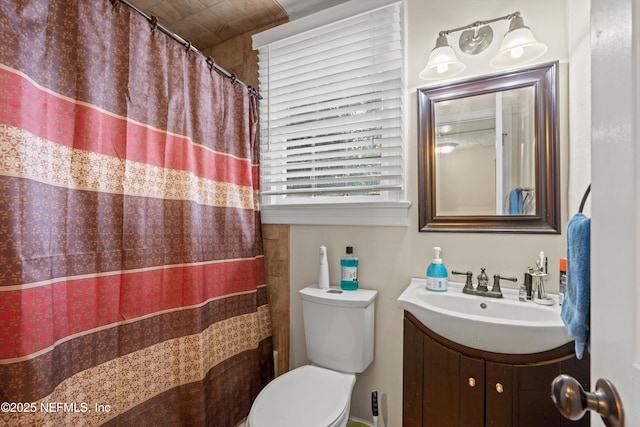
x=483 y=281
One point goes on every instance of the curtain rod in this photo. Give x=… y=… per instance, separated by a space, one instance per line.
x=153 y=20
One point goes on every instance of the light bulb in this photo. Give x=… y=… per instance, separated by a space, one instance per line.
x=517 y=52
x=442 y=68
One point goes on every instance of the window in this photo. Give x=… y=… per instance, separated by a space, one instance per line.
x=332 y=116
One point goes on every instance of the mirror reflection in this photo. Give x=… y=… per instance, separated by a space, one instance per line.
x=485 y=154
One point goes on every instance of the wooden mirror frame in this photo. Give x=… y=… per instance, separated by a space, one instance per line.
x=546 y=219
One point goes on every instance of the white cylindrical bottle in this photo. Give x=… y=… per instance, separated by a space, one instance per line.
x=323 y=275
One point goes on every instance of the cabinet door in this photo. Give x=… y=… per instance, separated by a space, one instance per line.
x=499 y=395
x=472 y=382
x=412 y=369
x=533 y=406
x=441 y=399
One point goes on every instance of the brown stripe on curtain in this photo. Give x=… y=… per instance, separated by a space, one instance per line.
x=132 y=288
x=173 y=232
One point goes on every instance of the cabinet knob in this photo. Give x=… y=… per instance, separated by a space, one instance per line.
x=472 y=382
x=499 y=388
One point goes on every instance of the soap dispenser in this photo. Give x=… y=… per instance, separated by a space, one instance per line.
x=437 y=273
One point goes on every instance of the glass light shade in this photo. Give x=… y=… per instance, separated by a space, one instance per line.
x=446 y=147
x=442 y=62
x=519 y=46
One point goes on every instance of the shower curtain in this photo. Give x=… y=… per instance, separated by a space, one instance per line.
x=132 y=287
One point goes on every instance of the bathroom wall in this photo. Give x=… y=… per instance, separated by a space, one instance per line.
x=237 y=56
x=579 y=44
x=390 y=256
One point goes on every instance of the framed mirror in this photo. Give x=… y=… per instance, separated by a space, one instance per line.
x=488 y=154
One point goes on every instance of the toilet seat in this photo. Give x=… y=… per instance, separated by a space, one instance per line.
x=308 y=396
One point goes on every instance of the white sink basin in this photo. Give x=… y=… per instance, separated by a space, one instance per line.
x=504 y=325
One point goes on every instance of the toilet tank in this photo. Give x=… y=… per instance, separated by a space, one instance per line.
x=338 y=327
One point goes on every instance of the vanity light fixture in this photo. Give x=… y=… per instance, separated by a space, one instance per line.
x=519 y=46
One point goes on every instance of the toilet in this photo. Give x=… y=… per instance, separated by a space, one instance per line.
x=338 y=327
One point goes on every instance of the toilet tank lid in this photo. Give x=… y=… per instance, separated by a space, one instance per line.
x=337 y=297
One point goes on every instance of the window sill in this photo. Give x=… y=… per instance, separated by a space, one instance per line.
x=393 y=214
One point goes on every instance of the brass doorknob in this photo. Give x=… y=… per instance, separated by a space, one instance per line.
x=573 y=402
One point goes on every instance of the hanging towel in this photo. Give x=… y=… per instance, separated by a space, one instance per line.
x=576 y=305
x=515 y=201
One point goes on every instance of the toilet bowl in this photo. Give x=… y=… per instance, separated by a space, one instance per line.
x=308 y=396
x=339 y=335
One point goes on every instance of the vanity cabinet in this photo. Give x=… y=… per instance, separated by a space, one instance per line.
x=446 y=384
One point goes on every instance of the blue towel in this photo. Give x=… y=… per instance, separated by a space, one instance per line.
x=515 y=201
x=576 y=305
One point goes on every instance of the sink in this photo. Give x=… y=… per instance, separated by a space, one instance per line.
x=504 y=325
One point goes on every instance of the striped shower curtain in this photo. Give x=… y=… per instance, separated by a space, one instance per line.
x=132 y=286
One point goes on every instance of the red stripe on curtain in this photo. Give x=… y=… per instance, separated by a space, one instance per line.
x=80 y=126
x=78 y=305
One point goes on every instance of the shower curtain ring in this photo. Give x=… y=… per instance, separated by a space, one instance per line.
x=211 y=62
x=154 y=22
x=187 y=44
x=234 y=78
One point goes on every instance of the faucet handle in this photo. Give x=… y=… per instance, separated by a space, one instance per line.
x=496 y=283
x=511 y=279
x=467 y=284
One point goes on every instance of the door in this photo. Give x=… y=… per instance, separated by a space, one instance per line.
x=615 y=201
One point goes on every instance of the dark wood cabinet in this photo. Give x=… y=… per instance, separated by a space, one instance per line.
x=446 y=384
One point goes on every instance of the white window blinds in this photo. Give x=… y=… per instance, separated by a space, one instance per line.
x=331 y=117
